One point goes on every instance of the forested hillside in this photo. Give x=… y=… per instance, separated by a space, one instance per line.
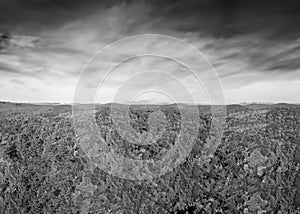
x=255 y=169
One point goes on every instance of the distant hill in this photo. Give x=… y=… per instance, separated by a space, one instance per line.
x=204 y=107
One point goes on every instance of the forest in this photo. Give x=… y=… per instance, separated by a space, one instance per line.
x=254 y=169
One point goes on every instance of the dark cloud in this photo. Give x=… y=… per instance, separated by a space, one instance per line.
x=8 y=69
x=278 y=60
x=227 y=18
x=274 y=19
x=17 y=81
x=262 y=55
x=4 y=40
x=286 y=65
x=34 y=15
x=220 y=17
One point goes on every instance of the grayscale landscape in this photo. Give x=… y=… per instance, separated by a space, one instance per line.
x=149 y=107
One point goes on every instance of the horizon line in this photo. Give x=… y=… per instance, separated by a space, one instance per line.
x=137 y=103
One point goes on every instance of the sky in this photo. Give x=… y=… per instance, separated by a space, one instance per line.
x=253 y=48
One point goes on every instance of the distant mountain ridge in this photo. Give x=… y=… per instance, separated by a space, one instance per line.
x=250 y=105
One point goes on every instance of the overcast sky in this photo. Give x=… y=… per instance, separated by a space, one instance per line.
x=253 y=45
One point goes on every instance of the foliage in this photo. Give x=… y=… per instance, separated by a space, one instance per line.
x=255 y=168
